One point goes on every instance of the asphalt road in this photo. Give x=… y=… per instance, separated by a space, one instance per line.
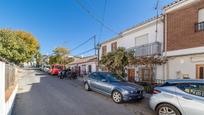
x=41 y=94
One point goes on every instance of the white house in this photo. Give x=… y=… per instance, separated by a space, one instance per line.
x=85 y=65
x=146 y=41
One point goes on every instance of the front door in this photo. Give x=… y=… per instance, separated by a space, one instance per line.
x=200 y=71
x=131 y=75
x=146 y=74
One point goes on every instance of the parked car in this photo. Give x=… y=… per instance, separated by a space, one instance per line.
x=54 y=70
x=106 y=83
x=46 y=68
x=179 y=97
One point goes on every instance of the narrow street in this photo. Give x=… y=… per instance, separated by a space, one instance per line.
x=41 y=94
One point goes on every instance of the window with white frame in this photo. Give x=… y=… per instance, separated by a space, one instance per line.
x=141 y=40
x=201 y=15
x=200 y=24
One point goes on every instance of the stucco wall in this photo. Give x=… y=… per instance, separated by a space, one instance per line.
x=184 y=66
x=2 y=88
x=128 y=39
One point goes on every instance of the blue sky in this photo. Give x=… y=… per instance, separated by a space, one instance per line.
x=64 y=23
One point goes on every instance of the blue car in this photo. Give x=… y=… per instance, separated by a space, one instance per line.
x=106 y=83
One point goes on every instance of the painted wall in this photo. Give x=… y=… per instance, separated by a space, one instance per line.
x=2 y=88
x=85 y=65
x=184 y=66
x=128 y=39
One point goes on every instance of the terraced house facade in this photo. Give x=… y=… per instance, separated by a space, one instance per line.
x=184 y=36
x=179 y=38
x=145 y=41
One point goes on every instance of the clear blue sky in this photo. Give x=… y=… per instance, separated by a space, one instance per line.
x=64 y=23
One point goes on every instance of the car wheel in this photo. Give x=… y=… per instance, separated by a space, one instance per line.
x=86 y=87
x=117 y=97
x=167 y=109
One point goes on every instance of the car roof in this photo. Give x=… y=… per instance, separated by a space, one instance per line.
x=185 y=81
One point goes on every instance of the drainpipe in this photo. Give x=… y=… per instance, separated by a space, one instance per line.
x=166 y=73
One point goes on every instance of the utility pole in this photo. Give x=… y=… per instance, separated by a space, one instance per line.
x=95 y=47
x=97 y=51
x=98 y=55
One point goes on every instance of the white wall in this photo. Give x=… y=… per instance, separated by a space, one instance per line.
x=93 y=66
x=184 y=65
x=5 y=106
x=2 y=88
x=129 y=36
x=128 y=39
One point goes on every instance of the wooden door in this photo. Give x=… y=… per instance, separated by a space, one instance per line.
x=146 y=74
x=200 y=71
x=131 y=75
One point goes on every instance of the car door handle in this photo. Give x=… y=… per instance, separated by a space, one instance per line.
x=186 y=98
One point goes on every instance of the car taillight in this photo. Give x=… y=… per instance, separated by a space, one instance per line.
x=156 y=91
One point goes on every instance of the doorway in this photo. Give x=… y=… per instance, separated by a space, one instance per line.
x=131 y=75
x=200 y=71
x=146 y=74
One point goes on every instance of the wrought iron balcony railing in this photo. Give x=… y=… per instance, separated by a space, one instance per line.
x=147 y=49
x=199 y=27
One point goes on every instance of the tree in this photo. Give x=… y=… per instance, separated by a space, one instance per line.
x=116 y=61
x=15 y=48
x=60 y=56
x=38 y=58
x=30 y=41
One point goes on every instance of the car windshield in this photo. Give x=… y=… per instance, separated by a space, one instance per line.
x=110 y=77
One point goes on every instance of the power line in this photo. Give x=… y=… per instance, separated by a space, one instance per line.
x=96 y=18
x=103 y=16
x=87 y=51
x=82 y=43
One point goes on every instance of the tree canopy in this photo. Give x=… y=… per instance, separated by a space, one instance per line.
x=60 y=56
x=17 y=46
x=116 y=61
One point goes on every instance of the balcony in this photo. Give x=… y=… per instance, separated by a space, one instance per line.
x=199 y=27
x=148 y=49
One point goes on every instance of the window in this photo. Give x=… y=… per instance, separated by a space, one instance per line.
x=141 y=40
x=192 y=88
x=200 y=24
x=92 y=76
x=89 y=69
x=200 y=71
x=104 y=50
x=201 y=15
x=114 y=46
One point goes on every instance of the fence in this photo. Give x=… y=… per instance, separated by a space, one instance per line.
x=10 y=76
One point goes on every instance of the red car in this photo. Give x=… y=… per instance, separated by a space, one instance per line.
x=54 y=70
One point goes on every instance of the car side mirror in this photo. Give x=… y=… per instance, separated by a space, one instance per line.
x=104 y=80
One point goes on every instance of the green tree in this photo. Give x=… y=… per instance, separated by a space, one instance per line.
x=116 y=61
x=31 y=43
x=60 y=56
x=38 y=58
x=14 y=47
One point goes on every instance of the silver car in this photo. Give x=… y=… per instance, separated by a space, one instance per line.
x=106 y=83
x=179 y=97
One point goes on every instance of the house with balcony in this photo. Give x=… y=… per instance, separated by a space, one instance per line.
x=184 y=39
x=145 y=39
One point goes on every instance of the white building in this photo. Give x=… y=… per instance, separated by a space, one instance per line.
x=144 y=39
x=85 y=65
